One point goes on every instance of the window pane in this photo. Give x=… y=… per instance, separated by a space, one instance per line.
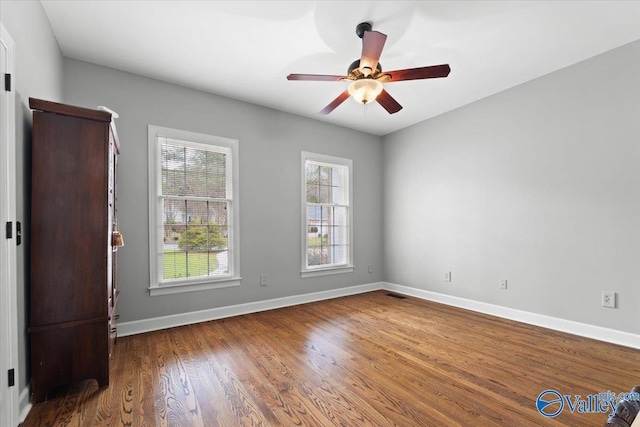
x=174 y=265
x=199 y=263
x=318 y=256
x=197 y=212
x=313 y=173
x=323 y=194
x=216 y=175
x=325 y=175
x=172 y=166
x=339 y=187
x=313 y=195
x=338 y=254
x=217 y=212
x=340 y=215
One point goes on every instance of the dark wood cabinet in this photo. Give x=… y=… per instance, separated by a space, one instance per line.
x=73 y=289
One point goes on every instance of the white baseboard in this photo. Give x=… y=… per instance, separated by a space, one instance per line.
x=25 y=403
x=582 y=329
x=164 y=322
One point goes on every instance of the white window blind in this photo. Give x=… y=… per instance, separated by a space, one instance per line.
x=194 y=204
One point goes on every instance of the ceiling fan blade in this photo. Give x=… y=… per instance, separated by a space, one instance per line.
x=372 y=44
x=316 y=77
x=431 y=72
x=334 y=104
x=388 y=103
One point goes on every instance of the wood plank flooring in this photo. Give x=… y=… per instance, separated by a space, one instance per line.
x=363 y=360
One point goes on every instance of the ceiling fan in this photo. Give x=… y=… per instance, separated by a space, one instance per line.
x=366 y=74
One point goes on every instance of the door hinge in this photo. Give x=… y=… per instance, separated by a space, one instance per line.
x=12 y=377
x=18 y=233
x=7 y=82
x=9 y=230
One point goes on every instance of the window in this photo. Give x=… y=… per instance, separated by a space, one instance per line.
x=327 y=231
x=193 y=211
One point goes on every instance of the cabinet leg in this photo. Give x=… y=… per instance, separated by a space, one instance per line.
x=38 y=395
x=103 y=381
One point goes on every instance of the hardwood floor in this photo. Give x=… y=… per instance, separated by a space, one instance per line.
x=364 y=360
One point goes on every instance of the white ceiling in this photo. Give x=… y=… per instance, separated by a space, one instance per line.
x=245 y=49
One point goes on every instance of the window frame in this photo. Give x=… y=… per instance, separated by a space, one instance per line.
x=156 y=285
x=330 y=161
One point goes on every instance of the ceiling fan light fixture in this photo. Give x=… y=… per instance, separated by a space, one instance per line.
x=364 y=91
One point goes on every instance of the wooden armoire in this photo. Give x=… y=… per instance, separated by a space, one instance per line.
x=74 y=238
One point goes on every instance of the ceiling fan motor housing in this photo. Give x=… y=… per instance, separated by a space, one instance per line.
x=354 y=70
x=362 y=27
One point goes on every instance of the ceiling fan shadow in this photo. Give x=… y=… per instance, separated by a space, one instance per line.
x=337 y=29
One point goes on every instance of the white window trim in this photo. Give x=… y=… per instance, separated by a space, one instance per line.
x=155 y=214
x=332 y=269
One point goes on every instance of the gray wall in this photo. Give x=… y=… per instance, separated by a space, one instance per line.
x=539 y=185
x=270 y=218
x=38 y=75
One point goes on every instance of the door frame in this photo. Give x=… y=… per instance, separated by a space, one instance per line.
x=9 y=400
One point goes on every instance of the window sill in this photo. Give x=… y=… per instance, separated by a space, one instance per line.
x=327 y=271
x=178 y=288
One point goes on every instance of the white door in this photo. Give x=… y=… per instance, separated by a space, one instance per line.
x=8 y=301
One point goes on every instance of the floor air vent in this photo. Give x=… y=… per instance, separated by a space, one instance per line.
x=396 y=296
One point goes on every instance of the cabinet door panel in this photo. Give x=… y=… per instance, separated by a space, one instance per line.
x=69 y=219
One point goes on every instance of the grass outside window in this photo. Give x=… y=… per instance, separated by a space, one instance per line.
x=175 y=264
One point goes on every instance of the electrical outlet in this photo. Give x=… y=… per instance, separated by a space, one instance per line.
x=263 y=280
x=370 y=268
x=503 y=284
x=447 y=276
x=609 y=299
